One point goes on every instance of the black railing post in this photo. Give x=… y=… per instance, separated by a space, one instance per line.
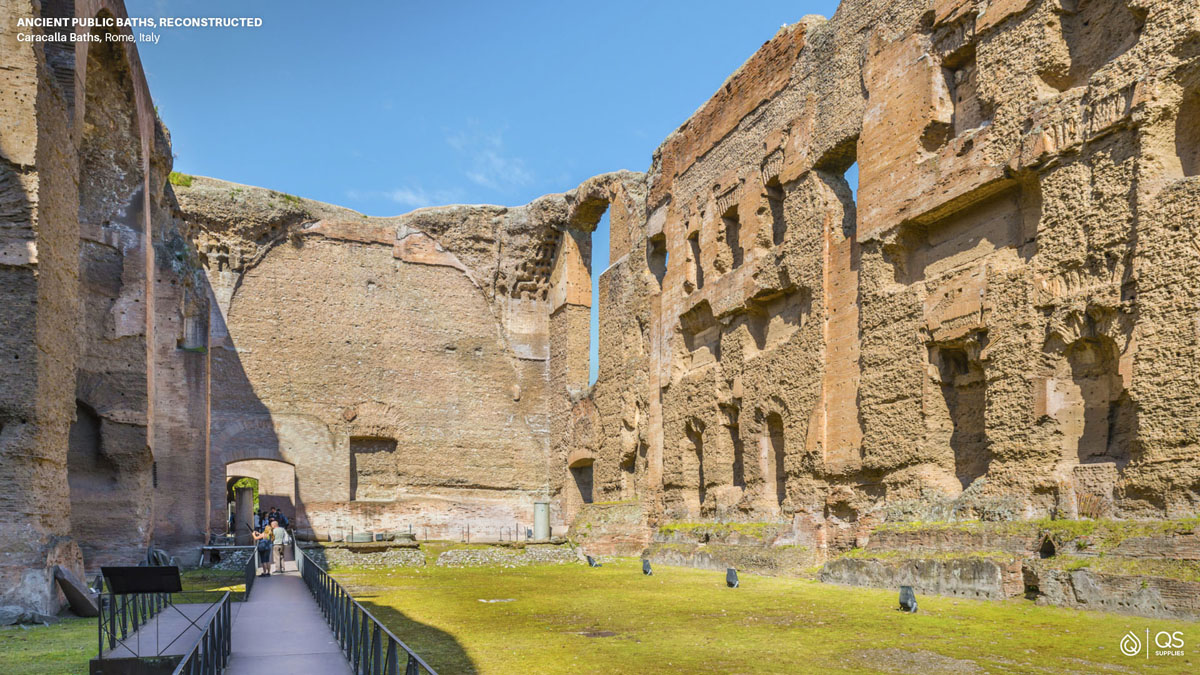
x=364 y=640
x=376 y=651
x=211 y=653
x=393 y=660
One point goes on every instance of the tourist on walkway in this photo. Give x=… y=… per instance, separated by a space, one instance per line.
x=262 y=539
x=279 y=537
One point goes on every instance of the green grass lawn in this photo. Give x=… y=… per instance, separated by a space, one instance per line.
x=213 y=583
x=572 y=619
x=61 y=649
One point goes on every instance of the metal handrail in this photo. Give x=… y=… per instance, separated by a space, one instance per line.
x=249 y=572
x=122 y=615
x=210 y=654
x=361 y=636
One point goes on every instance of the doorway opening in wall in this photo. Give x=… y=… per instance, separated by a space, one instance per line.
x=697 y=266
x=241 y=520
x=695 y=436
x=656 y=256
x=274 y=485
x=583 y=481
x=733 y=235
x=775 y=443
x=775 y=198
x=629 y=477
x=962 y=419
x=93 y=479
x=599 y=263
x=739 y=448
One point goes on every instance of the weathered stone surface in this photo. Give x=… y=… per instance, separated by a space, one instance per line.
x=82 y=601
x=984 y=578
x=1128 y=594
x=999 y=324
x=504 y=557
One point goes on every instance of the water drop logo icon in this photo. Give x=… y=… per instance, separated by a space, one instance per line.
x=1130 y=644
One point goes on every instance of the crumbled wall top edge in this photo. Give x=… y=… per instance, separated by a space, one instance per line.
x=228 y=208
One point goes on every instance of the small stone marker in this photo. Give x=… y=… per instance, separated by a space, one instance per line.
x=731 y=577
x=646 y=567
x=79 y=597
x=592 y=562
x=908 y=600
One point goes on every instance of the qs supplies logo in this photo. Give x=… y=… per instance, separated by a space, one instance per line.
x=1165 y=643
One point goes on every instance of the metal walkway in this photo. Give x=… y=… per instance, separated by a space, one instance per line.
x=280 y=630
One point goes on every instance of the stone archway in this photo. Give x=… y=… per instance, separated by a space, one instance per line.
x=276 y=483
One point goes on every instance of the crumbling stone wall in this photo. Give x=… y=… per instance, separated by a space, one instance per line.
x=979 y=328
x=38 y=249
x=407 y=386
x=85 y=175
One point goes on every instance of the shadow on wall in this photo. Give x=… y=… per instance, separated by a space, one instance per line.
x=242 y=432
x=110 y=468
x=243 y=437
x=438 y=648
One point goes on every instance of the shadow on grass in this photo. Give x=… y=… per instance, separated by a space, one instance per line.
x=438 y=648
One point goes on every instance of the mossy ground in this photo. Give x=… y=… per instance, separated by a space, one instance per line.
x=1102 y=533
x=572 y=619
x=1180 y=570
x=213 y=583
x=756 y=530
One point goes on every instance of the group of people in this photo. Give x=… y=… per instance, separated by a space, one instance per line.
x=270 y=537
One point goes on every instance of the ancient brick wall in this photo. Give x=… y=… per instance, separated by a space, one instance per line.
x=88 y=205
x=407 y=387
x=979 y=329
x=38 y=248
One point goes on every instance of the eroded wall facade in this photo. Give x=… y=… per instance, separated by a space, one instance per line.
x=983 y=330
x=104 y=409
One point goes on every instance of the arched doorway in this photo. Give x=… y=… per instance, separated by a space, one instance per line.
x=276 y=481
x=276 y=487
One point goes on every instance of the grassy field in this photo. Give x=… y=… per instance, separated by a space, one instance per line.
x=61 y=649
x=572 y=619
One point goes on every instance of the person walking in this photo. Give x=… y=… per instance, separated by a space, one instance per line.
x=279 y=538
x=262 y=542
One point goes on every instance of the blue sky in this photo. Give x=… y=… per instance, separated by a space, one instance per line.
x=384 y=107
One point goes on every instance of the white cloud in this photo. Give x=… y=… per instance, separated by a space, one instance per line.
x=413 y=197
x=488 y=165
x=417 y=197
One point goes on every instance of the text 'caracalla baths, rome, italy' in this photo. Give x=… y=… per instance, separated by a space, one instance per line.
x=912 y=300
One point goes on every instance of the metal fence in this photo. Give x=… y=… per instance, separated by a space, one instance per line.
x=368 y=644
x=122 y=615
x=249 y=571
x=210 y=654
